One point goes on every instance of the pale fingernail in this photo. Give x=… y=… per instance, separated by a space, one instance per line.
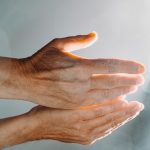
x=142 y=80
x=133 y=89
x=93 y=33
x=141 y=107
x=122 y=97
x=141 y=68
x=137 y=106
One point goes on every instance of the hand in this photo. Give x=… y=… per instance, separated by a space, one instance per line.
x=53 y=77
x=82 y=126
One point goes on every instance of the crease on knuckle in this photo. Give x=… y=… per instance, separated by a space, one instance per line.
x=55 y=42
x=113 y=123
x=106 y=93
x=112 y=81
x=100 y=111
x=87 y=135
x=78 y=126
x=111 y=108
x=110 y=65
x=129 y=112
x=89 y=140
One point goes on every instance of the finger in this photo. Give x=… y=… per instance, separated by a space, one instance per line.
x=97 y=96
x=111 y=66
x=114 y=119
x=115 y=126
x=74 y=42
x=103 y=103
x=113 y=81
x=101 y=135
x=101 y=110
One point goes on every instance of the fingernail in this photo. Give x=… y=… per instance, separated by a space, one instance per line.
x=142 y=80
x=122 y=97
x=141 y=106
x=136 y=107
x=134 y=116
x=133 y=89
x=141 y=68
x=93 y=34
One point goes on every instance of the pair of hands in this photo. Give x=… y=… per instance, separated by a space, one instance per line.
x=81 y=98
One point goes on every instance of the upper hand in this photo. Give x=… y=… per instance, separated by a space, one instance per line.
x=54 y=77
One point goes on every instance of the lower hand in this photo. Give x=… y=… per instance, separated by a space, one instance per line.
x=82 y=126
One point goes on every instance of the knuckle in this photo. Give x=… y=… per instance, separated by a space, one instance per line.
x=111 y=107
x=77 y=127
x=110 y=65
x=75 y=117
x=112 y=81
x=128 y=112
x=78 y=98
x=80 y=72
x=55 y=40
x=113 y=123
x=89 y=136
x=99 y=111
x=89 y=141
x=86 y=85
x=83 y=85
x=106 y=93
x=128 y=89
x=86 y=134
x=86 y=143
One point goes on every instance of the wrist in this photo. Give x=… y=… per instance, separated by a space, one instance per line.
x=44 y=126
x=11 y=78
x=37 y=126
x=16 y=130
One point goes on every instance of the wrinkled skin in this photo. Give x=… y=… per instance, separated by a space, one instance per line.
x=76 y=91
x=82 y=126
x=54 y=77
x=86 y=125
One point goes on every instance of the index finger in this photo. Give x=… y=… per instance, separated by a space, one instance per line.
x=111 y=66
x=101 y=110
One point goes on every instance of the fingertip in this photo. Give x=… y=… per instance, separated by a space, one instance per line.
x=141 y=68
x=141 y=80
x=133 y=89
x=137 y=105
x=122 y=97
x=93 y=35
x=141 y=106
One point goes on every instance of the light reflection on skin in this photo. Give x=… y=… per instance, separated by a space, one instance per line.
x=76 y=107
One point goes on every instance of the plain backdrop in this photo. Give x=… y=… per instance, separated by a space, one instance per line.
x=123 y=27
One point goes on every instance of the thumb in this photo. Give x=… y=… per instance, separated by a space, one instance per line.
x=74 y=42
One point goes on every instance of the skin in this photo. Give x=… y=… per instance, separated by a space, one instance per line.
x=75 y=93
x=85 y=126
x=53 y=77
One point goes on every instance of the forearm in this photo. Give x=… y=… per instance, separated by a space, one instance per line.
x=15 y=130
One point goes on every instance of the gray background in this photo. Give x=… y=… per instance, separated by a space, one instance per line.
x=123 y=27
